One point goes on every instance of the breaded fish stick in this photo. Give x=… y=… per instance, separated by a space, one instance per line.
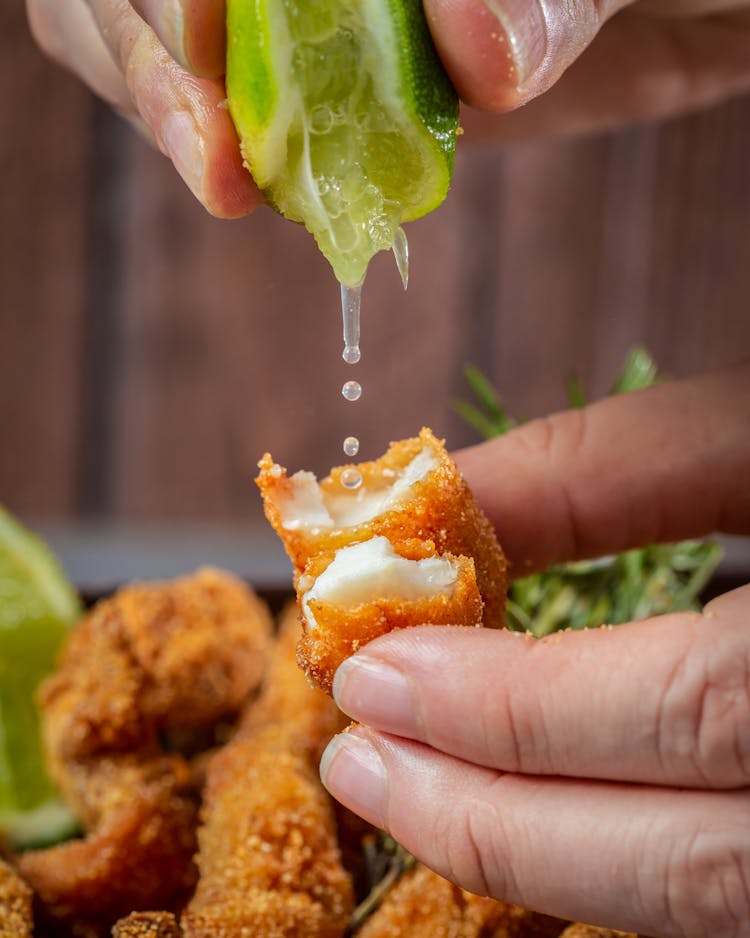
x=16 y=916
x=268 y=858
x=424 y=905
x=155 y=658
x=409 y=546
x=155 y=662
x=413 y=492
x=147 y=925
x=593 y=931
x=142 y=818
x=352 y=596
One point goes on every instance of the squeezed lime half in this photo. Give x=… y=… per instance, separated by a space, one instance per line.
x=346 y=117
x=37 y=608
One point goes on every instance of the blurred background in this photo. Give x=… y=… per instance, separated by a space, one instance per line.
x=150 y=354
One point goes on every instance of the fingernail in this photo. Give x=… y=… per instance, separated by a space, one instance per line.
x=167 y=19
x=375 y=693
x=525 y=29
x=353 y=772
x=185 y=148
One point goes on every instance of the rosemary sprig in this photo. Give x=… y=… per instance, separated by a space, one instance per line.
x=385 y=861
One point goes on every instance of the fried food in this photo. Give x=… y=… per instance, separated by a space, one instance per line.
x=414 y=491
x=16 y=915
x=352 y=596
x=147 y=925
x=156 y=658
x=153 y=663
x=415 y=499
x=142 y=818
x=424 y=905
x=593 y=931
x=268 y=859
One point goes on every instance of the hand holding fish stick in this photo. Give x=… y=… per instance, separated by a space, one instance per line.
x=603 y=775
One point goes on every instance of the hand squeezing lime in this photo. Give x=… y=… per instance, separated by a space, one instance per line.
x=346 y=118
x=37 y=607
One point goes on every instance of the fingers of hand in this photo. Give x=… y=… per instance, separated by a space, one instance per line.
x=185 y=114
x=666 y=701
x=67 y=32
x=192 y=31
x=598 y=491
x=654 y=861
x=502 y=54
x=632 y=72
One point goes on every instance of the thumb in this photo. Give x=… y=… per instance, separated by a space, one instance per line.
x=502 y=53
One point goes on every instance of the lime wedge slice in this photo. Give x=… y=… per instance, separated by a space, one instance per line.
x=346 y=117
x=37 y=607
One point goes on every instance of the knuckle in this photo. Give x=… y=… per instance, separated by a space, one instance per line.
x=514 y=731
x=477 y=849
x=553 y=442
x=141 y=62
x=705 y=712
x=128 y=36
x=708 y=883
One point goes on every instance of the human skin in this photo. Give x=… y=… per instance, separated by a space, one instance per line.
x=578 y=65
x=599 y=776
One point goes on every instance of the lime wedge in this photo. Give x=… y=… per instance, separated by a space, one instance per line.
x=37 y=607
x=346 y=117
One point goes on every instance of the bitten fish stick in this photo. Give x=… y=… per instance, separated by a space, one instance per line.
x=409 y=546
x=414 y=491
x=268 y=857
x=352 y=596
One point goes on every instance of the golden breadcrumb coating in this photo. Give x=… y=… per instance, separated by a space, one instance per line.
x=147 y=925
x=154 y=662
x=155 y=658
x=424 y=905
x=438 y=508
x=16 y=916
x=269 y=862
x=593 y=931
x=339 y=631
x=138 y=853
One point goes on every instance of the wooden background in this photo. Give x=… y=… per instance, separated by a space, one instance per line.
x=149 y=354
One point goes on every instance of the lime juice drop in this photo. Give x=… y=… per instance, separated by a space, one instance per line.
x=401 y=253
x=351 y=446
x=351 y=478
x=352 y=391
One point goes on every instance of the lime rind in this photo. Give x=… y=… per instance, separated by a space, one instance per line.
x=433 y=99
x=46 y=824
x=346 y=117
x=37 y=608
x=26 y=562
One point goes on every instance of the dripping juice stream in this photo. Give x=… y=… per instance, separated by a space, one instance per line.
x=351 y=303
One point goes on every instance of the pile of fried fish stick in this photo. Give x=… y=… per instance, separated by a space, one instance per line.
x=186 y=737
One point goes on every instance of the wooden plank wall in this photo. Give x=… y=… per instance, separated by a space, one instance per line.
x=149 y=353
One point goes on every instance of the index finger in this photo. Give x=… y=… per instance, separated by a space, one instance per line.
x=650 y=466
x=192 y=31
x=663 y=701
